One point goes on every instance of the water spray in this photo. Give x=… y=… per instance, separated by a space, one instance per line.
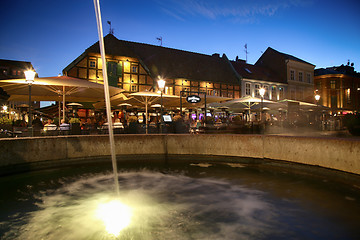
x=107 y=94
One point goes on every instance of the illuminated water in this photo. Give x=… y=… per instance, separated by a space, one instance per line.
x=191 y=201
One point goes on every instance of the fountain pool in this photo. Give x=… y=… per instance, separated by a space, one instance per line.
x=192 y=200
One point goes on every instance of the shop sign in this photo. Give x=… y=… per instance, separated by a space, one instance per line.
x=193 y=99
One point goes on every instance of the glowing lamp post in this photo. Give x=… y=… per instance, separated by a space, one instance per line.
x=29 y=76
x=317 y=98
x=262 y=93
x=161 y=85
x=4 y=109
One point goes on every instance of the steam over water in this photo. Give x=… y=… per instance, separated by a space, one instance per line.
x=166 y=206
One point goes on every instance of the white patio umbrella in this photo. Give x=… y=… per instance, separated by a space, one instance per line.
x=53 y=88
x=248 y=103
x=148 y=98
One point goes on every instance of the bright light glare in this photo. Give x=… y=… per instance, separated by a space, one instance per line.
x=115 y=215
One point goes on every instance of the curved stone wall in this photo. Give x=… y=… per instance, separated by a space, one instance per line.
x=336 y=153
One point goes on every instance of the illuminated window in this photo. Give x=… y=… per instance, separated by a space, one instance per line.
x=273 y=92
x=332 y=84
x=347 y=95
x=247 y=88
x=266 y=91
x=281 y=93
x=257 y=88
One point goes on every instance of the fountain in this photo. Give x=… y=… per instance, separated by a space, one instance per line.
x=191 y=200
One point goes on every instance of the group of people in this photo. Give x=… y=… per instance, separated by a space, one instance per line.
x=49 y=125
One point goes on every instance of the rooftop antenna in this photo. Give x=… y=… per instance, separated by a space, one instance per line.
x=111 y=30
x=246 y=52
x=159 y=39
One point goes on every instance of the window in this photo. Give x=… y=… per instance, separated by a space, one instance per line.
x=257 y=92
x=292 y=94
x=281 y=93
x=299 y=93
x=266 y=95
x=300 y=76
x=332 y=84
x=92 y=63
x=273 y=93
x=292 y=75
x=347 y=95
x=308 y=77
x=134 y=68
x=247 y=88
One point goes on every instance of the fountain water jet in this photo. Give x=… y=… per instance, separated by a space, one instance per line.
x=107 y=94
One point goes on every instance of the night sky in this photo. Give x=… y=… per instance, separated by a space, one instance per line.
x=51 y=34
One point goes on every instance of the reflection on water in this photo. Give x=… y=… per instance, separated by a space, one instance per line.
x=195 y=202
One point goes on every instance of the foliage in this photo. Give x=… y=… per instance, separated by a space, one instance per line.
x=74 y=120
x=132 y=119
x=5 y=120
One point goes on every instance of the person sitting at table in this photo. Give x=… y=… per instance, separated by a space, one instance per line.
x=64 y=126
x=49 y=126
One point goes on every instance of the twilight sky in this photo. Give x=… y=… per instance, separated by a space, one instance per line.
x=51 y=34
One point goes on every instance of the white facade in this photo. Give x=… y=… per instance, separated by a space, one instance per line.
x=273 y=91
x=300 y=77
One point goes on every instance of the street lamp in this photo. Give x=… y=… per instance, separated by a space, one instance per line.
x=262 y=93
x=161 y=85
x=317 y=98
x=29 y=76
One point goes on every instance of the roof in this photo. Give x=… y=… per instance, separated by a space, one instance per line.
x=171 y=63
x=249 y=71
x=13 y=65
x=286 y=56
x=343 y=69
